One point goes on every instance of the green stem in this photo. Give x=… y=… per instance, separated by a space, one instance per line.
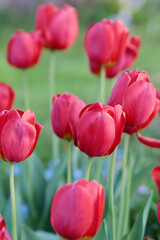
x=127 y=203
x=88 y=168
x=111 y=195
x=51 y=79
x=25 y=90
x=102 y=85
x=122 y=198
x=69 y=172
x=13 y=202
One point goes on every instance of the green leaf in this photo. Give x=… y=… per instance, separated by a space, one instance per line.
x=102 y=233
x=138 y=229
x=50 y=191
x=29 y=234
x=47 y=235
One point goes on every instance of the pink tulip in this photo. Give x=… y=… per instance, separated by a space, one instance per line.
x=99 y=129
x=7 y=96
x=156 y=177
x=77 y=209
x=18 y=135
x=4 y=235
x=65 y=115
x=24 y=49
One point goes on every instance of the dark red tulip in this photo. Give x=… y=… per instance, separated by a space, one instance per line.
x=105 y=42
x=148 y=239
x=158 y=211
x=138 y=99
x=24 y=49
x=7 y=96
x=18 y=135
x=65 y=115
x=77 y=209
x=4 y=235
x=126 y=60
x=99 y=129
x=59 y=26
x=156 y=177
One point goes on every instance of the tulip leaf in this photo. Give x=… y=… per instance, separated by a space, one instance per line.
x=47 y=235
x=28 y=233
x=50 y=191
x=102 y=233
x=138 y=229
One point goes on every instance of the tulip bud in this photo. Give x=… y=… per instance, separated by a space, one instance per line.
x=59 y=26
x=4 y=235
x=18 y=135
x=137 y=97
x=7 y=96
x=99 y=129
x=65 y=115
x=77 y=209
x=24 y=49
x=105 y=42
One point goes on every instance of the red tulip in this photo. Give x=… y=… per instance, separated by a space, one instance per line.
x=156 y=177
x=4 y=235
x=99 y=129
x=7 y=96
x=105 y=42
x=18 y=135
x=158 y=96
x=127 y=59
x=158 y=211
x=24 y=49
x=42 y=14
x=77 y=209
x=148 y=239
x=59 y=26
x=138 y=99
x=65 y=115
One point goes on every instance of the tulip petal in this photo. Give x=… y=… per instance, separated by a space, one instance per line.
x=95 y=133
x=29 y=117
x=158 y=211
x=156 y=177
x=119 y=123
x=119 y=90
x=17 y=139
x=150 y=142
x=71 y=211
x=4 y=235
x=139 y=102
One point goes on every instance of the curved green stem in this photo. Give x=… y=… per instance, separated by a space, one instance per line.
x=69 y=170
x=88 y=168
x=51 y=79
x=25 y=90
x=102 y=85
x=126 y=219
x=13 y=203
x=111 y=194
x=122 y=197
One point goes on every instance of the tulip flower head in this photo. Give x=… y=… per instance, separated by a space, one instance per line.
x=7 y=96
x=18 y=135
x=156 y=177
x=108 y=44
x=77 y=209
x=24 y=49
x=99 y=129
x=67 y=105
x=137 y=96
x=59 y=26
x=4 y=235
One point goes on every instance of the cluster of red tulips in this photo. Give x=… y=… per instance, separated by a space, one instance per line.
x=77 y=208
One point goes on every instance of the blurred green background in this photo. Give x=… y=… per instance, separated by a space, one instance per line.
x=71 y=68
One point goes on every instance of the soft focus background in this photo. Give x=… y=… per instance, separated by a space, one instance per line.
x=72 y=75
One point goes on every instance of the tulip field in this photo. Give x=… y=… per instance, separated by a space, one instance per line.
x=79 y=123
